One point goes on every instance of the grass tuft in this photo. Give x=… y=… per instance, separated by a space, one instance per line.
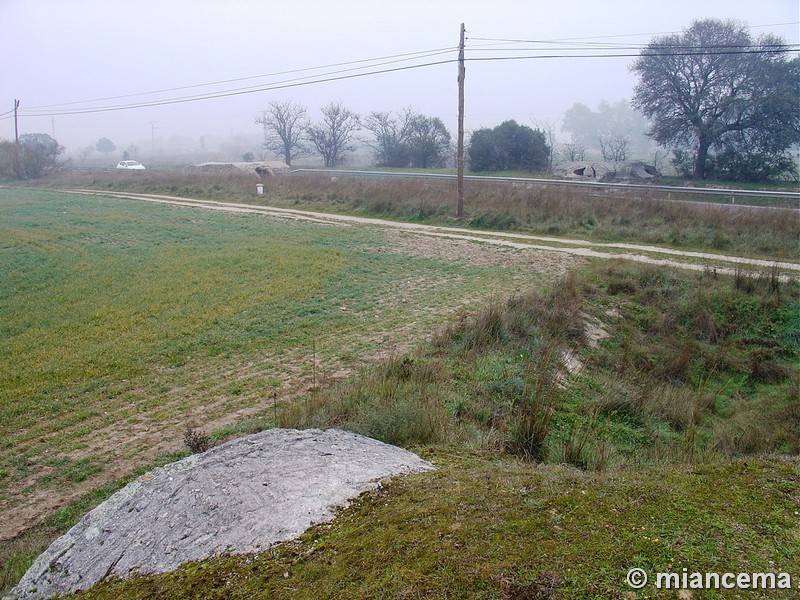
x=196 y=440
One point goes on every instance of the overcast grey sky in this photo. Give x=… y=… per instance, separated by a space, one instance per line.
x=59 y=54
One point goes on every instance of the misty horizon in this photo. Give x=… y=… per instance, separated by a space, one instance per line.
x=87 y=57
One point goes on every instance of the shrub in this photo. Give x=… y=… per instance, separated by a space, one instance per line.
x=763 y=368
x=508 y=146
x=196 y=440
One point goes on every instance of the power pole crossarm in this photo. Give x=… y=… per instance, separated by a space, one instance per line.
x=460 y=158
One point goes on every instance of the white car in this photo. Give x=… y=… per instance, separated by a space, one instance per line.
x=130 y=165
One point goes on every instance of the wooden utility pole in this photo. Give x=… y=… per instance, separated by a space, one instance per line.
x=16 y=128
x=16 y=140
x=460 y=158
x=153 y=136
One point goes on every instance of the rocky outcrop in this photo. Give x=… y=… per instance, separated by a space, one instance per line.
x=242 y=496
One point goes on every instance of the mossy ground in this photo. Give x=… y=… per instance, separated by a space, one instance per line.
x=489 y=527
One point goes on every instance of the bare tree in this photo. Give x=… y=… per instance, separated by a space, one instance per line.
x=549 y=130
x=658 y=159
x=408 y=139
x=614 y=147
x=284 y=126
x=428 y=142
x=620 y=147
x=333 y=136
x=390 y=136
x=574 y=151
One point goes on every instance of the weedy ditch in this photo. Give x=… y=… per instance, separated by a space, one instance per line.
x=690 y=368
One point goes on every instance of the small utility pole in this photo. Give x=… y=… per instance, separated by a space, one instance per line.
x=153 y=136
x=16 y=128
x=16 y=139
x=460 y=158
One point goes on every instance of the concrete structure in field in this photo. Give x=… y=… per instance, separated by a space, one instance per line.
x=262 y=168
x=607 y=171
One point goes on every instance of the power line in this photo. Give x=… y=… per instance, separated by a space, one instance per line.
x=599 y=45
x=403 y=57
x=236 y=92
x=337 y=75
x=628 y=55
x=621 y=35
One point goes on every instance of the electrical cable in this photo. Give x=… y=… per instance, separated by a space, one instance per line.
x=560 y=56
x=601 y=37
x=52 y=110
x=235 y=93
x=698 y=49
x=414 y=55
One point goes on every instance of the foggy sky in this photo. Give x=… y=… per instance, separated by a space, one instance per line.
x=59 y=53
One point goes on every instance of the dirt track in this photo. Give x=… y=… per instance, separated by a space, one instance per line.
x=698 y=261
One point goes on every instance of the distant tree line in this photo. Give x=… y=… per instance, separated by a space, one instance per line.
x=406 y=139
x=403 y=139
x=616 y=129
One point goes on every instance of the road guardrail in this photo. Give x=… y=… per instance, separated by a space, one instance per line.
x=726 y=195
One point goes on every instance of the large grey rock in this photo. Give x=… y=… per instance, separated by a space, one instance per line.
x=242 y=496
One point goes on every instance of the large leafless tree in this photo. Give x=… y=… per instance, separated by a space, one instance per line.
x=408 y=139
x=390 y=136
x=333 y=136
x=284 y=126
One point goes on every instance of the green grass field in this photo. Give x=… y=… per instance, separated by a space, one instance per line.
x=124 y=322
